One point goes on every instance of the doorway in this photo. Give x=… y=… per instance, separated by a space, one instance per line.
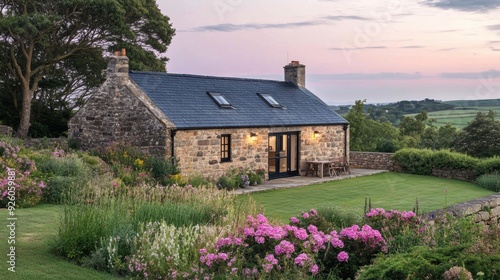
x=283 y=155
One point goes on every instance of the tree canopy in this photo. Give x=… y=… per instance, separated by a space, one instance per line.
x=52 y=50
x=481 y=138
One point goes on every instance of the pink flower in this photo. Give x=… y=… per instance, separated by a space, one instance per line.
x=312 y=229
x=301 y=259
x=343 y=257
x=313 y=212
x=314 y=269
x=203 y=251
x=294 y=220
x=305 y=215
x=284 y=247
x=300 y=234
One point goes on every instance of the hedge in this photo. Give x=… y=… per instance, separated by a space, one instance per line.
x=422 y=161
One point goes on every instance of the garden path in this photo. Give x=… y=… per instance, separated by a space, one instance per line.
x=299 y=181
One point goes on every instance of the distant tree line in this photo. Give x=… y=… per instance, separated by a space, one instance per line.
x=394 y=112
x=480 y=138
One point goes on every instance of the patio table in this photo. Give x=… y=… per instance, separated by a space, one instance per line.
x=317 y=166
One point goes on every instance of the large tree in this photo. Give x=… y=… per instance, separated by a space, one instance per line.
x=481 y=137
x=42 y=40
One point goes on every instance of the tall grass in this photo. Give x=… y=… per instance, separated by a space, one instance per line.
x=98 y=212
x=489 y=181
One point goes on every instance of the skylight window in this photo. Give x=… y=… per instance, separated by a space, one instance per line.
x=220 y=100
x=270 y=100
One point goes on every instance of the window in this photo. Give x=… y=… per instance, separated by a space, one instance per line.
x=220 y=100
x=270 y=100
x=225 y=147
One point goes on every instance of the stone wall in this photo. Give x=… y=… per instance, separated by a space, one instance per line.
x=117 y=112
x=372 y=160
x=198 y=151
x=464 y=175
x=6 y=130
x=485 y=210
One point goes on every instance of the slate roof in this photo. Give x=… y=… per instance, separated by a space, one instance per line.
x=184 y=100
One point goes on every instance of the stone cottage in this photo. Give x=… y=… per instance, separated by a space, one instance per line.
x=211 y=124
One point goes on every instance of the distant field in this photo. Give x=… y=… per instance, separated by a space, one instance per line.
x=460 y=116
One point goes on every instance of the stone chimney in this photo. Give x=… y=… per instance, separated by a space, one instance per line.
x=118 y=64
x=296 y=73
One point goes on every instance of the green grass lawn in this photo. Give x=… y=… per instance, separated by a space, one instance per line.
x=35 y=227
x=460 y=117
x=387 y=190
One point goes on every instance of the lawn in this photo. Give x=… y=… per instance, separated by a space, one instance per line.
x=460 y=117
x=387 y=190
x=35 y=228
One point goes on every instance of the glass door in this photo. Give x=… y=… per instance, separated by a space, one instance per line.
x=283 y=155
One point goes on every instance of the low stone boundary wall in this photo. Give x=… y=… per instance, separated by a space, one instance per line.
x=464 y=175
x=45 y=143
x=373 y=160
x=485 y=210
x=6 y=130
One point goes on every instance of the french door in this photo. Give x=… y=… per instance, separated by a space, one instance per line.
x=283 y=155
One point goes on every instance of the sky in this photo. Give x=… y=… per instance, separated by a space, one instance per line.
x=378 y=50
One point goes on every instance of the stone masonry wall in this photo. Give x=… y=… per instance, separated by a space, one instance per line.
x=372 y=160
x=485 y=210
x=120 y=112
x=198 y=151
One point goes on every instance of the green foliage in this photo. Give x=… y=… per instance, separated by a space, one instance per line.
x=98 y=213
x=480 y=137
x=422 y=263
x=133 y=167
x=418 y=161
x=66 y=40
x=489 y=181
x=369 y=135
x=339 y=217
x=239 y=178
x=415 y=161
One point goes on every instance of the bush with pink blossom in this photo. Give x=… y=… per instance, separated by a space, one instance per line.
x=262 y=250
x=28 y=187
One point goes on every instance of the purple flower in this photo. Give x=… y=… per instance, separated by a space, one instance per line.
x=343 y=257
x=313 y=212
x=294 y=220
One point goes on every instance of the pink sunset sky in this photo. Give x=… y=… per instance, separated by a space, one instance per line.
x=379 y=50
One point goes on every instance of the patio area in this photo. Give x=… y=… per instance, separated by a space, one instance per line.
x=298 y=181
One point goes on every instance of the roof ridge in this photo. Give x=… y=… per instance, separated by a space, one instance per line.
x=204 y=76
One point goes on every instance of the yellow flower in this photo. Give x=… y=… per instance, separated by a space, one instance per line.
x=138 y=162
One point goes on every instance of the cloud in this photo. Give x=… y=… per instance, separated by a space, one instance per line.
x=495 y=49
x=464 y=5
x=229 y=27
x=446 y=49
x=370 y=76
x=494 y=27
x=412 y=47
x=471 y=75
x=364 y=48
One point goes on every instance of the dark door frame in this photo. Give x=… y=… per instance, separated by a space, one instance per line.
x=279 y=145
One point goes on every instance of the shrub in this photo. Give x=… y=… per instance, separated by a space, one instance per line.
x=199 y=181
x=29 y=186
x=339 y=217
x=240 y=178
x=489 y=181
x=425 y=263
x=488 y=166
x=59 y=187
x=415 y=161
